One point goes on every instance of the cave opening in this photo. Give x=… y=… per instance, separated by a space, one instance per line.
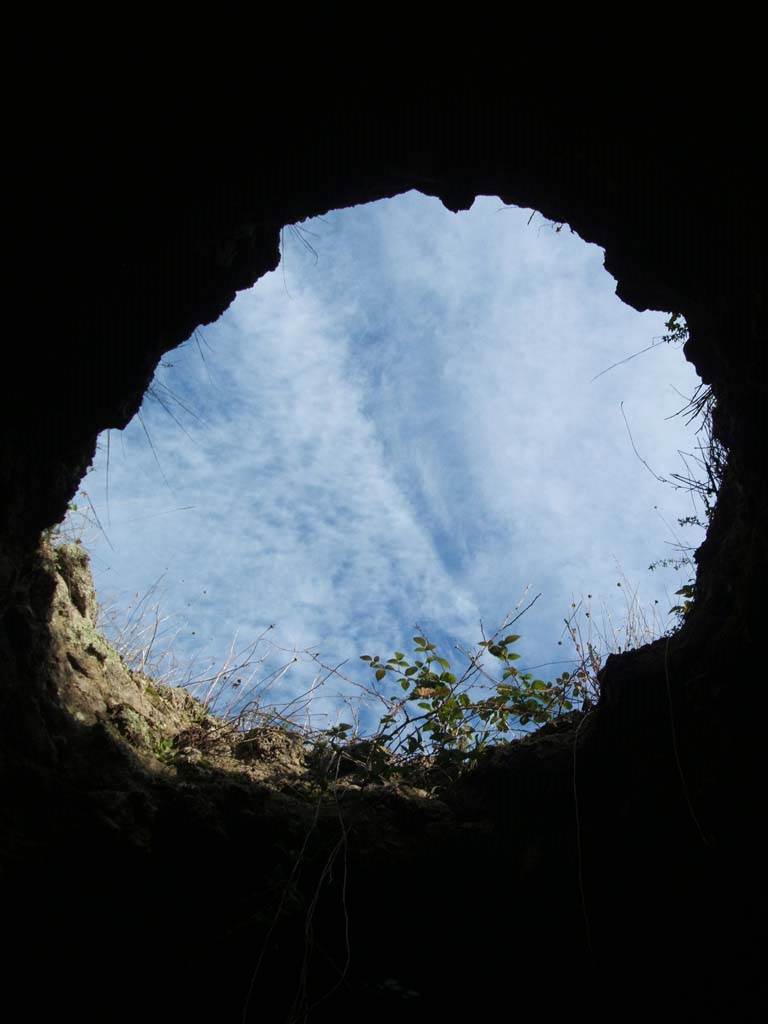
x=418 y=422
x=638 y=819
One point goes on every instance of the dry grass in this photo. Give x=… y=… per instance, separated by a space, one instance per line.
x=595 y=633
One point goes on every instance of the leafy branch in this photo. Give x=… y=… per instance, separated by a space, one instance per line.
x=432 y=713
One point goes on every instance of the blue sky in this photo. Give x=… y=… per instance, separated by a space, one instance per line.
x=400 y=425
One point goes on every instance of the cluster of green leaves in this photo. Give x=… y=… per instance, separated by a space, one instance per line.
x=434 y=714
x=688 y=593
x=165 y=750
x=677 y=330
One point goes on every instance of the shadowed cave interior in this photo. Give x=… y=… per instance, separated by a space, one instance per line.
x=608 y=863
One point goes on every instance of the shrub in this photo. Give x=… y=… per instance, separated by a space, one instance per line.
x=433 y=713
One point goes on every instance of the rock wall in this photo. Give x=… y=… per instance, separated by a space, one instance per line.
x=610 y=863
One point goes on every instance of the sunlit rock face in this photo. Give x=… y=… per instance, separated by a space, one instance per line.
x=621 y=846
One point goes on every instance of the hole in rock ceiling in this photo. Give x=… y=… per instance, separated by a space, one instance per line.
x=410 y=423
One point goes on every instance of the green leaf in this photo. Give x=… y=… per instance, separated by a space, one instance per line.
x=380 y=673
x=404 y=683
x=424 y=706
x=419 y=640
x=365 y=657
x=411 y=670
x=511 y=639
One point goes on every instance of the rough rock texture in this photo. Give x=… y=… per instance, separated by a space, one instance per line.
x=611 y=864
x=158 y=725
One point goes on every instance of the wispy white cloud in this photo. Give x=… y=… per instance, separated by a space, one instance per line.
x=407 y=430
